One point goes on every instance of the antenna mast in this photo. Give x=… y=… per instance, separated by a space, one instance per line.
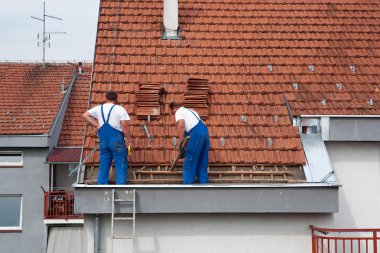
x=46 y=35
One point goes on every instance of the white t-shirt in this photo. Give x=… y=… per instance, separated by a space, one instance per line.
x=189 y=118
x=118 y=113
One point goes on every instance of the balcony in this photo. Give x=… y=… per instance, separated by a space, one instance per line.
x=60 y=205
x=327 y=240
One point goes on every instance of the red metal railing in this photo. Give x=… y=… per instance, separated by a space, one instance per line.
x=329 y=240
x=60 y=205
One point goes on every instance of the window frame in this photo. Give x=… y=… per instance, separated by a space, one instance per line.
x=12 y=165
x=15 y=228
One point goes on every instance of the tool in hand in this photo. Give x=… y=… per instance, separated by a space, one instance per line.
x=129 y=155
x=181 y=151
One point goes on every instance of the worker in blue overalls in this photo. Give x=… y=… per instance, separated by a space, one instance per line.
x=112 y=124
x=196 y=155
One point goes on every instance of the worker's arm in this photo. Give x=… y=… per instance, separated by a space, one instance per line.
x=181 y=129
x=90 y=120
x=124 y=127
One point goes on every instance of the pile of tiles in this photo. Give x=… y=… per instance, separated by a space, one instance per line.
x=148 y=101
x=196 y=96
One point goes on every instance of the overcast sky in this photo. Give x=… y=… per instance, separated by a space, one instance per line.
x=18 y=31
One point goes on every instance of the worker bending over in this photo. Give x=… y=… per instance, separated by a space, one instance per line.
x=112 y=128
x=196 y=155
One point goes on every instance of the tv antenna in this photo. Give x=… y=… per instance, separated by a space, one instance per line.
x=45 y=35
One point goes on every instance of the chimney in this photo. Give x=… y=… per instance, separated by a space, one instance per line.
x=171 y=19
x=80 y=70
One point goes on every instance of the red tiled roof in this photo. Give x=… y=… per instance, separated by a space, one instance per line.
x=252 y=52
x=30 y=96
x=64 y=155
x=73 y=127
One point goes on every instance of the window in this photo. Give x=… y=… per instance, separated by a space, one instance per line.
x=10 y=212
x=72 y=166
x=11 y=159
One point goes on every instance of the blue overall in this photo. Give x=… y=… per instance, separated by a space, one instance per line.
x=196 y=154
x=112 y=145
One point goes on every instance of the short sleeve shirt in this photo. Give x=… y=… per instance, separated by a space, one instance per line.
x=188 y=117
x=118 y=113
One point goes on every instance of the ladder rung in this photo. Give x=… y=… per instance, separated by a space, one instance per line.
x=124 y=200
x=123 y=218
x=122 y=237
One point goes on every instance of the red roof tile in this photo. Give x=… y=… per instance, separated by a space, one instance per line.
x=30 y=96
x=252 y=53
x=64 y=155
x=73 y=127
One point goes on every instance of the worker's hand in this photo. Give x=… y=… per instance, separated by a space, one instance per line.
x=181 y=144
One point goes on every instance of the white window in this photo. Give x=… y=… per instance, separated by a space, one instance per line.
x=10 y=159
x=10 y=212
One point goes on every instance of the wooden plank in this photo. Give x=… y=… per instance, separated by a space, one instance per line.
x=238 y=173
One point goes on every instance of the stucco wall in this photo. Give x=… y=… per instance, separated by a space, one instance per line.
x=219 y=233
x=357 y=167
x=61 y=178
x=27 y=181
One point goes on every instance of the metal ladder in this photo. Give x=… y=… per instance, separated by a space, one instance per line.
x=131 y=198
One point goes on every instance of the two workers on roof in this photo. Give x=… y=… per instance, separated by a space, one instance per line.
x=111 y=121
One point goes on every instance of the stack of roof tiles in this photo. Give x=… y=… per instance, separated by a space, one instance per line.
x=148 y=101
x=30 y=96
x=261 y=58
x=196 y=96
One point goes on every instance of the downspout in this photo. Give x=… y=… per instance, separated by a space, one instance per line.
x=97 y=234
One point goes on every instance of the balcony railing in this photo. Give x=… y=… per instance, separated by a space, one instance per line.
x=328 y=240
x=60 y=205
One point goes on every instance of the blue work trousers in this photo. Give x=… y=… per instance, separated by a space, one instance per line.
x=196 y=155
x=112 y=146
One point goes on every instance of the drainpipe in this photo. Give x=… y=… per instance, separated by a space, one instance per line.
x=171 y=18
x=97 y=234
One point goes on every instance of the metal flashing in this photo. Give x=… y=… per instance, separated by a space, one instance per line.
x=284 y=198
x=318 y=164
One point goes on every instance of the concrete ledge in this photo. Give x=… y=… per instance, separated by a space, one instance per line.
x=35 y=141
x=282 y=198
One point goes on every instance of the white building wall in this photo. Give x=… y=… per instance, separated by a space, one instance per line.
x=357 y=167
x=219 y=233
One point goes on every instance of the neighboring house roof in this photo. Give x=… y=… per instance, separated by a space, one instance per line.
x=71 y=137
x=320 y=56
x=64 y=155
x=30 y=96
x=73 y=127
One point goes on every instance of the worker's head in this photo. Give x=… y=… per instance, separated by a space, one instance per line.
x=174 y=106
x=111 y=96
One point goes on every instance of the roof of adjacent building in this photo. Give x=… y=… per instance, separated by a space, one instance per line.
x=70 y=141
x=64 y=155
x=30 y=96
x=265 y=62
x=73 y=126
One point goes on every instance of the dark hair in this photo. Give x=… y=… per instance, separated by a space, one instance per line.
x=111 y=96
x=173 y=105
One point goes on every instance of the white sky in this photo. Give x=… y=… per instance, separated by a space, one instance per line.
x=18 y=31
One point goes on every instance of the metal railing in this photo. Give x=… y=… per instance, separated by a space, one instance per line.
x=60 y=205
x=329 y=240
